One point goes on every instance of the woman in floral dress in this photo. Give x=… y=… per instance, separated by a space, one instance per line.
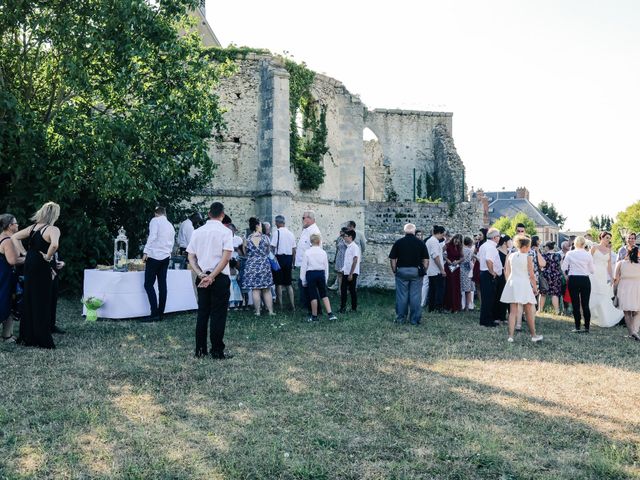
x=552 y=274
x=467 y=284
x=257 y=273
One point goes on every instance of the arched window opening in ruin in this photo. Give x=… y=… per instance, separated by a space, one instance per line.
x=368 y=135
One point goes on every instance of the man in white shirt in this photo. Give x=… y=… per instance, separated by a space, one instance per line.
x=309 y=228
x=157 y=253
x=186 y=230
x=624 y=249
x=360 y=240
x=436 y=271
x=209 y=253
x=490 y=268
x=350 y=271
x=283 y=246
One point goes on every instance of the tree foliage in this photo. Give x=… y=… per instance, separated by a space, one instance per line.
x=628 y=220
x=599 y=224
x=106 y=109
x=602 y=222
x=550 y=211
x=508 y=224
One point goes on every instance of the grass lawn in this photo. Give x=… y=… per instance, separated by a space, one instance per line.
x=360 y=398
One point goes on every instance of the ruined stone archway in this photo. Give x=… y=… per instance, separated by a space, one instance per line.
x=376 y=170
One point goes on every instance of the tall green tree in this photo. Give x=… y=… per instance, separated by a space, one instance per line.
x=550 y=211
x=628 y=220
x=106 y=107
x=598 y=224
x=602 y=222
x=508 y=224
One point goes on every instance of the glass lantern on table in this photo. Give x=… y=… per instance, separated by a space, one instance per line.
x=120 y=251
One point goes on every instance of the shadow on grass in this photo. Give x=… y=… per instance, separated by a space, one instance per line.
x=361 y=398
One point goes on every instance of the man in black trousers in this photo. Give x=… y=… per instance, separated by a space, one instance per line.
x=157 y=254
x=209 y=252
x=490 y=268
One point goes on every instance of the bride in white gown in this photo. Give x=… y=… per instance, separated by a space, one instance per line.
x=603 y=313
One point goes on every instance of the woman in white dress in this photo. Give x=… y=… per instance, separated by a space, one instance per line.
x=521 y=287
x=603 y=313
x=628 y=281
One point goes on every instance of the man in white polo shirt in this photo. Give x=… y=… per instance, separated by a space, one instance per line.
x=209 y=252
x=350 y=271
x=309 y=227
x=157 y=253
x=490 y=268
x=436 y=271
x=283 y=246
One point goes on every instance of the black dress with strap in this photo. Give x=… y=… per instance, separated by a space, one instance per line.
x=7 y=285
x=36 y=315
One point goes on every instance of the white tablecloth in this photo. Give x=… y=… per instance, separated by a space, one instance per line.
x=125 y=297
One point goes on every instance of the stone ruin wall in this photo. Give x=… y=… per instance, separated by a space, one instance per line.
x=252 y=156
x=407 y=140
x=384 y=223
x=254 y=176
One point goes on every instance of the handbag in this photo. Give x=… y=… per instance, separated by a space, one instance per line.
x=275 y=266
x=544 y=284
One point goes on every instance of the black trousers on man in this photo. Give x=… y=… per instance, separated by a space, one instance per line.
x=488 y=295
x=351 y=287
x=213 y=303
x=436 y=292
x=580 y=291
x=156 y=270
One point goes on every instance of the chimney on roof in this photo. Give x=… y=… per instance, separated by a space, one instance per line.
x=484 y=201
x=522 y=192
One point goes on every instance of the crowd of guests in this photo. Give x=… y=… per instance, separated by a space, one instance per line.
x=234 y=272
x=510 y=277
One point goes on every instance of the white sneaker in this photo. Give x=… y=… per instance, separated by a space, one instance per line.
x=333 y=287
x=537 y=338
x=510 y=339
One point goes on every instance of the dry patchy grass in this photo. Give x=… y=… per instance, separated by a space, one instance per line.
x=360 y=398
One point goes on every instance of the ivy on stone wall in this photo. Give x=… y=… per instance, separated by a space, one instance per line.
x=306 y=150
x=231 y=53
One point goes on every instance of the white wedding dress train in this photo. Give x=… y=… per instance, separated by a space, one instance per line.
x=603 y=313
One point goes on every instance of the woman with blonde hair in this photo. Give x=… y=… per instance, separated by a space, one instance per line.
x=521 y=287
x=44 y=239
x=579 y=264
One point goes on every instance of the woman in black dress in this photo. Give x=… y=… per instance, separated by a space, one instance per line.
x=38 y=276
x=9 y=257
x=500 y=309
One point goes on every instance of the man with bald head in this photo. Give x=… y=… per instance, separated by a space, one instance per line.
x=407 y=254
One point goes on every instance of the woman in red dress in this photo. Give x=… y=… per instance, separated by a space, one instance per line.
x=453 y=259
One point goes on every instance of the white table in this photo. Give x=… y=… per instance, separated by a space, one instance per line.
x=125 y=297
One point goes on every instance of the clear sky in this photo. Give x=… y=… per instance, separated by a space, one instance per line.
x=545 y=93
